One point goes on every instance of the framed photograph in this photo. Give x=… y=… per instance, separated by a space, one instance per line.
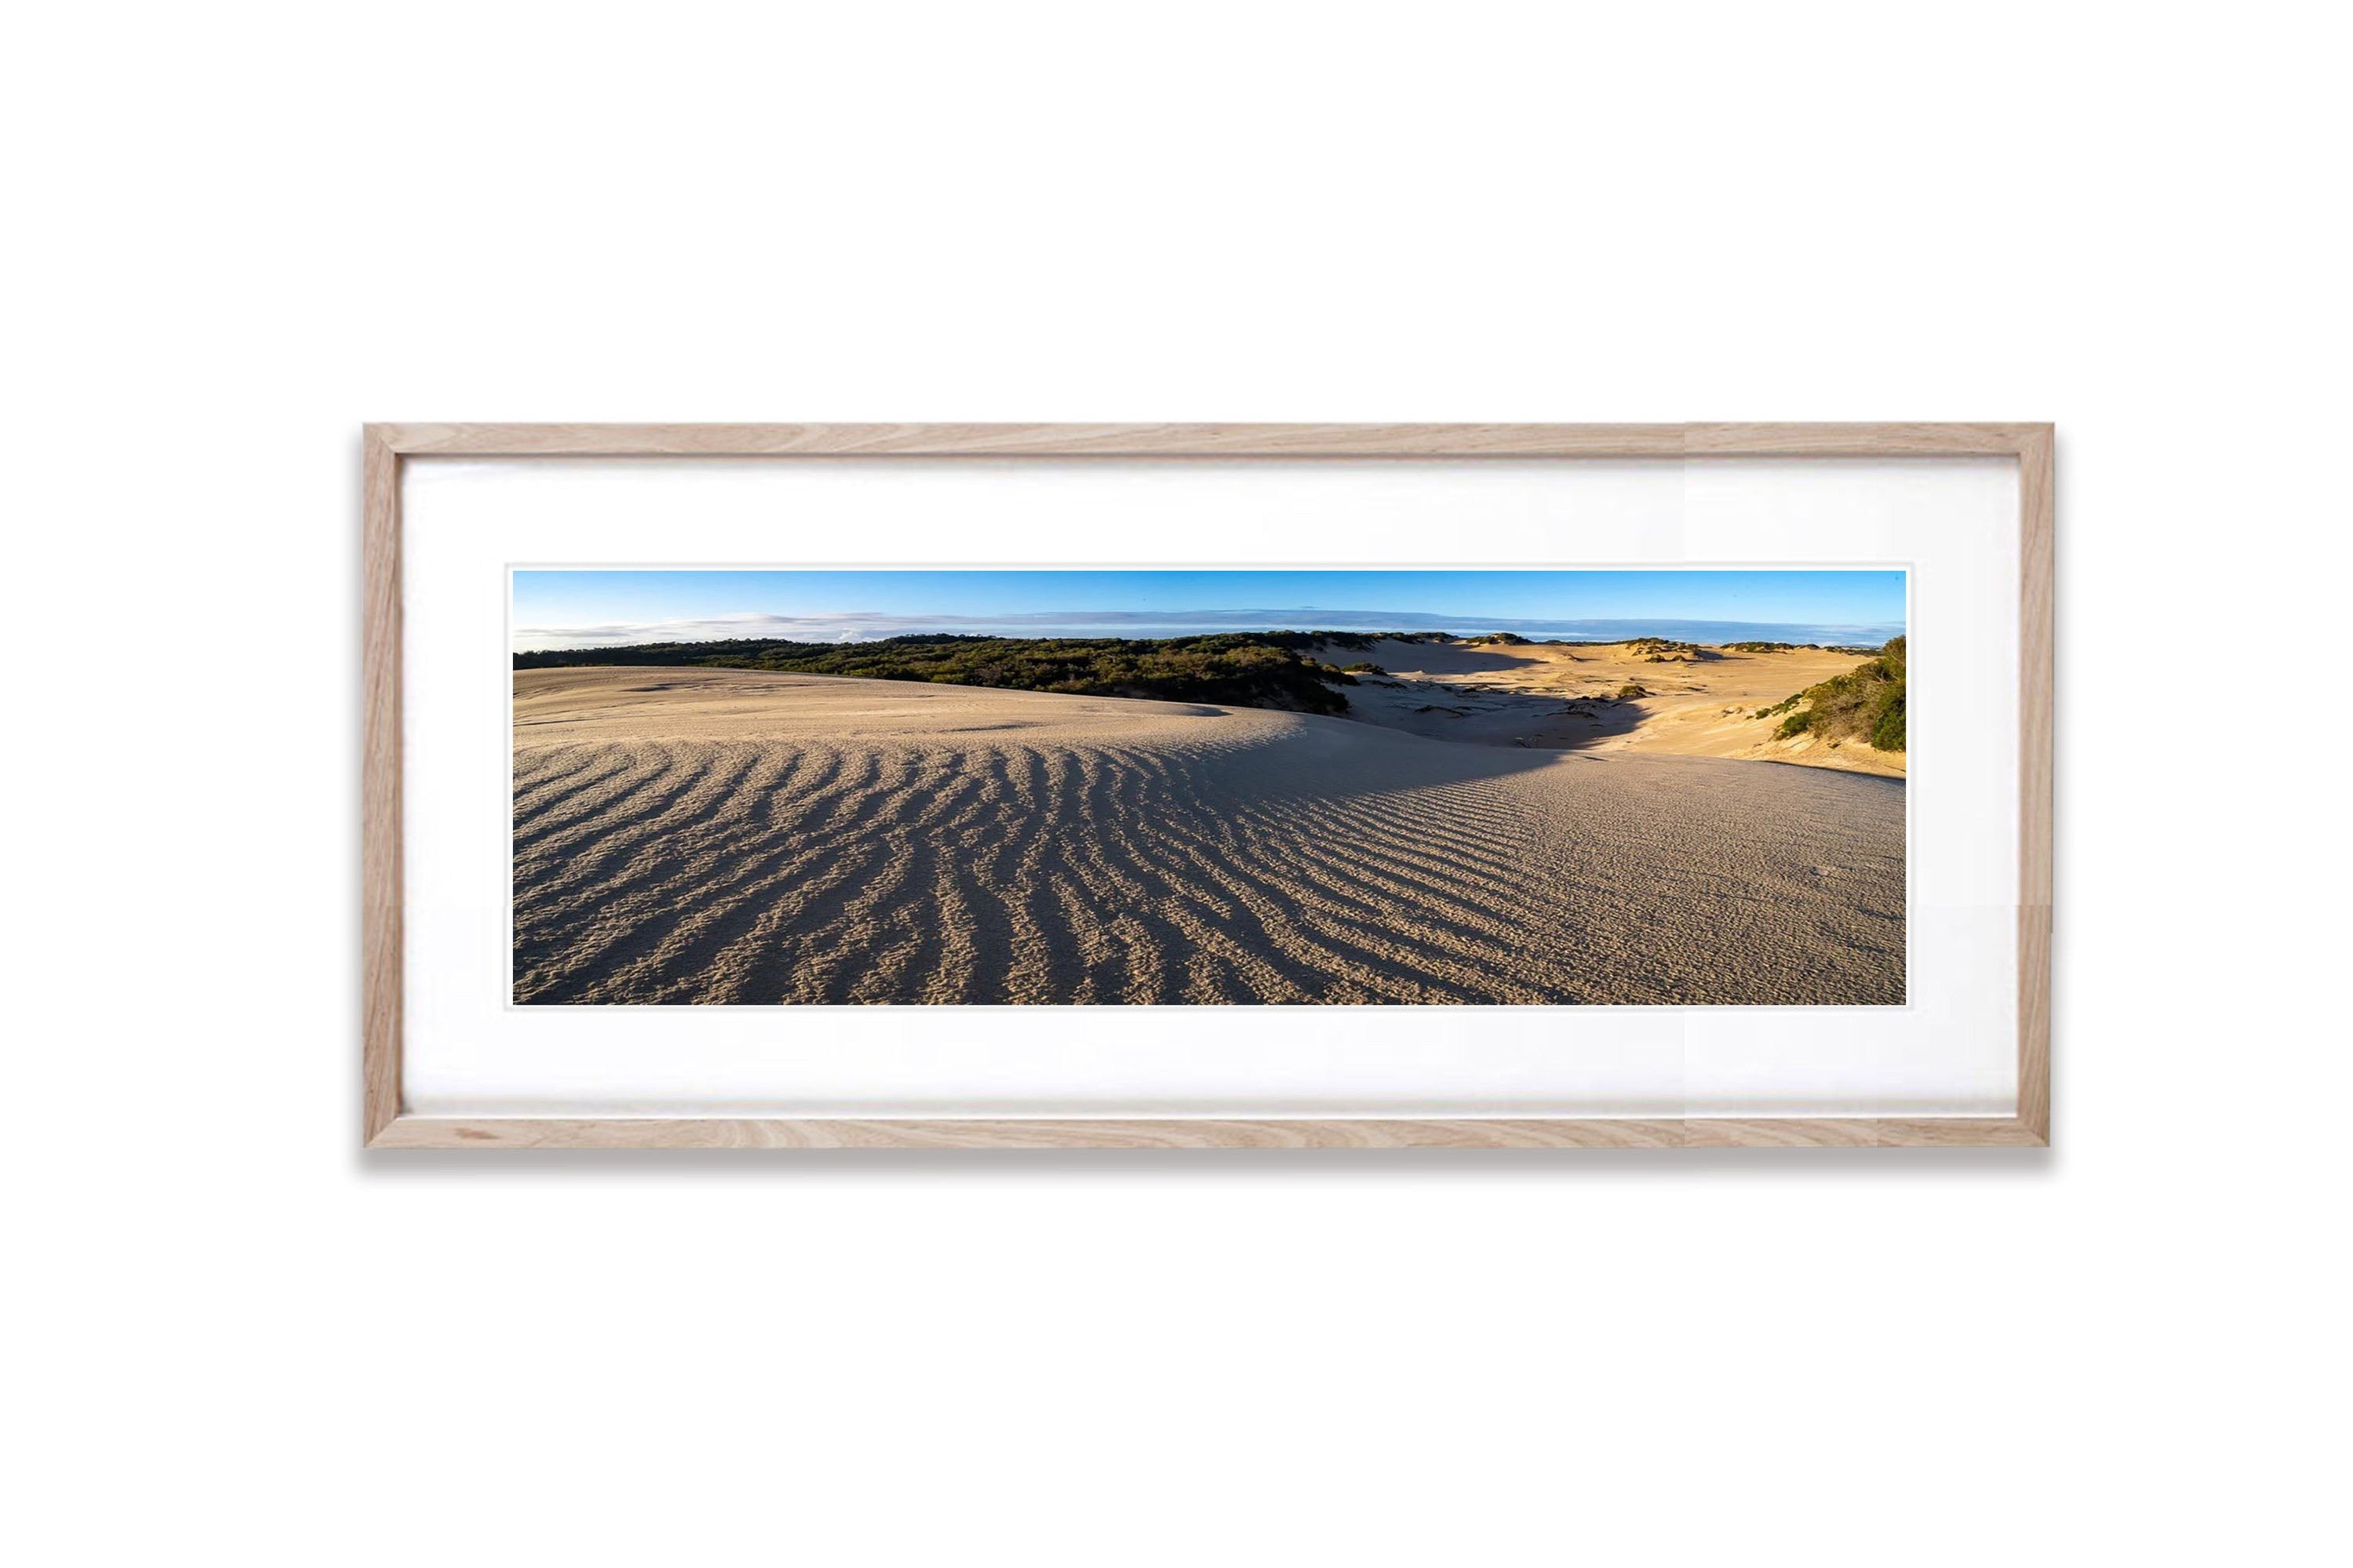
x=1193 y=786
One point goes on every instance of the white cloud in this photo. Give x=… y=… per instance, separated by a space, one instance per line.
x=872 y=626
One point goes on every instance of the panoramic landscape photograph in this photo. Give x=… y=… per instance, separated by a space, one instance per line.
x=1544 y=788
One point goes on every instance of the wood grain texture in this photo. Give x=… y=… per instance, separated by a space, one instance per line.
x=1664 y=441
x=1652 y=441
x=1857 y=440
x=498 y=1132
x=385 y=446
x=2037 y=735
x=380 y=862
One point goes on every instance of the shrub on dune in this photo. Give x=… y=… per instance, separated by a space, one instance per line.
x=1864 y=704
x=1241 y=670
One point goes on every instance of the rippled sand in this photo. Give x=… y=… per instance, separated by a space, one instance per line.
x=692 y=836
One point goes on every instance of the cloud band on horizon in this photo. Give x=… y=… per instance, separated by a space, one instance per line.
x=867 y=626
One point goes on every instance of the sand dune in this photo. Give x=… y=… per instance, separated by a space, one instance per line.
x=1555 y=696
x=696 y=836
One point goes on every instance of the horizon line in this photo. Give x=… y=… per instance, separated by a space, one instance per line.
x=1137 y=625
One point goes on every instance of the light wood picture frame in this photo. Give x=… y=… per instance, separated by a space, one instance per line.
x=385 y=1124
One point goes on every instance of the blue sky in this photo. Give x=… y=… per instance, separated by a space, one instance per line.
x=590 y=608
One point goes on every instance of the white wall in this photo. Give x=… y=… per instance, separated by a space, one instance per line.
x=241 y=230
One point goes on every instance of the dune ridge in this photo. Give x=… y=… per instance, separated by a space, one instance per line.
x=696 y=836
x=1677 y=699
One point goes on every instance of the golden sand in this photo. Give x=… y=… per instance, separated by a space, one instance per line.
x=696 y=836
x=1552 y=695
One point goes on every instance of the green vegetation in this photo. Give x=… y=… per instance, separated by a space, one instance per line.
x=1864 y=704
x=1887 y=734
x=1666 y=650
x=1505 y=639
x=1249 y=669
x=1795 y=647
x=1241 y=670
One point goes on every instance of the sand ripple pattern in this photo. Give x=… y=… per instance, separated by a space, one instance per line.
x=1150 y=853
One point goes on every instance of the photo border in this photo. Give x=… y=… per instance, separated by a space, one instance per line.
x=384 y=1124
